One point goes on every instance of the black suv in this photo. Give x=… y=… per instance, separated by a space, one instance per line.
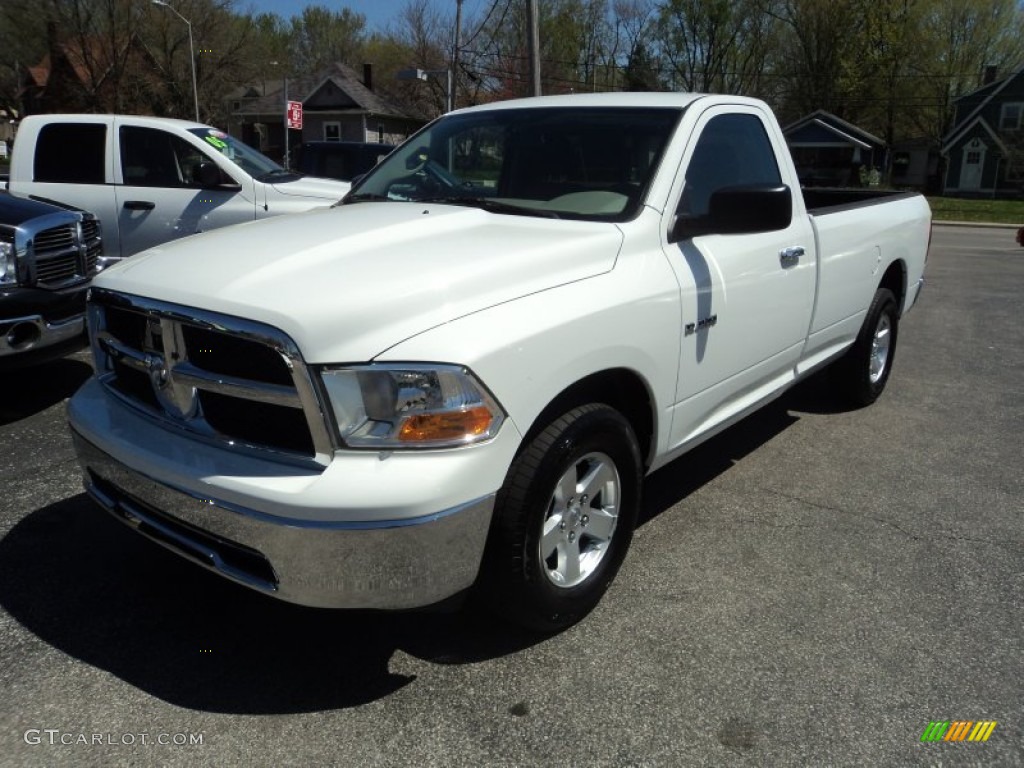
x=343 y=160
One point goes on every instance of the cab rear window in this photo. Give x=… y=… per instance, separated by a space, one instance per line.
x=71 y=153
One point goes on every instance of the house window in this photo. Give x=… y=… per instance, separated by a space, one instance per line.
x=900 y=163
x=973 y=157
x=332 y=131
x=1010 y=118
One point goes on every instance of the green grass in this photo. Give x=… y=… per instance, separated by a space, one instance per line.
x=990 y=211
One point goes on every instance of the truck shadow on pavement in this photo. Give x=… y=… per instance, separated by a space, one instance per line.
x=85 y=584
x=89 y=587
x=674 y=482
x=27 y=391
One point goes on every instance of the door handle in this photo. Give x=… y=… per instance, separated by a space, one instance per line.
x=790 y=256
x=139 y=205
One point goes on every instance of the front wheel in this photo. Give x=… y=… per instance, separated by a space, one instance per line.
x=863 y=371
x=563 y=520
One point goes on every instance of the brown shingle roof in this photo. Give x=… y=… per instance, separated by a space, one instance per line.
x=303 y=87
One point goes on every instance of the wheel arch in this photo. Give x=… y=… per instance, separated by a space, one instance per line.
x=620 y=388
x=895 y=279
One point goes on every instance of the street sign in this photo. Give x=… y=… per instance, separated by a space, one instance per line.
x=295 y=115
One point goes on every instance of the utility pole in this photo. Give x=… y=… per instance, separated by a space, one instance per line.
x=453 y=83
x=191 y=50
x=533 y=33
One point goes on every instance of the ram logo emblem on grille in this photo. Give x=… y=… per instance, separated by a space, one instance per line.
x=165 y=349
x=83 y=249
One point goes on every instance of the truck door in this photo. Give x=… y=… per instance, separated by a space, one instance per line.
x=746 y=298
x=161 y=196
x=72 y=165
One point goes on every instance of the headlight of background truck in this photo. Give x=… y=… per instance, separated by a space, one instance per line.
x=8 y=270
x=410 y=406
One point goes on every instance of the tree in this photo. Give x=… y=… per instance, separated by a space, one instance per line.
x=716 y=45
x=320 y=36
x=22 y=44
x=960 y=38
x=640 y=73
x=816 y=48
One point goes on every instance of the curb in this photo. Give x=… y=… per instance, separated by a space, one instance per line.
x=984 y=224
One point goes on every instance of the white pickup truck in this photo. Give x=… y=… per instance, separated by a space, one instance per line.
x=152 y=179
x=459 y=376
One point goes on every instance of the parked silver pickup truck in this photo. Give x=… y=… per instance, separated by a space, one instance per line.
x=153 y=179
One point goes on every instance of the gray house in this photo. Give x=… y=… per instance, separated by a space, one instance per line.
x=337 y=105
x=828 y=151
x=985 y=150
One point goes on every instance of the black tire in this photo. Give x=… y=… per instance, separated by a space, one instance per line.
x=862 y=373
x=517 y=582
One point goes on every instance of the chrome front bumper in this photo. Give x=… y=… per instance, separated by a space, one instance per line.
x=382 y=565
x=22 y=334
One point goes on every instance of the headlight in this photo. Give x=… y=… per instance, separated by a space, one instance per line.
x=8 y=269
x=410 y=406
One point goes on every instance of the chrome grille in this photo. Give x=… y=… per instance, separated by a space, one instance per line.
x=90 y=229
x=223 y=379
x=56 y=239
x=58 y=269
x=59 y=259
x=93 y=244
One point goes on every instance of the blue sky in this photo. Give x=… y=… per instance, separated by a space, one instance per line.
x=377 y=12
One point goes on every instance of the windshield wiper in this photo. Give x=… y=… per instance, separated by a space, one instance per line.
x=278 y=172
x=490 y=205
x=365 y=197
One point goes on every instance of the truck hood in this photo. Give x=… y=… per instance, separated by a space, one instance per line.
x=314 y=187
x=346 y=283
x=15 y=210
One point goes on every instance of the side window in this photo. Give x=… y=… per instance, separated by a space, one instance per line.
x=151 y=157
x=477 y=155
x=71 y=153
x=732 y=150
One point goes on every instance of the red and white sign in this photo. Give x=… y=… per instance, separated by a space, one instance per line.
x=295 y=115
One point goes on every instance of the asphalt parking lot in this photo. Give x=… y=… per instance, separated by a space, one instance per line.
x=813 y=587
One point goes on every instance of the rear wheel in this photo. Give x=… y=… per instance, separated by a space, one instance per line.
x=863 y=371
x=563 y=519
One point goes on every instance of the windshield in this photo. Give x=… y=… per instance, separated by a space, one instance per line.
x=242 y=155
x=591 y=163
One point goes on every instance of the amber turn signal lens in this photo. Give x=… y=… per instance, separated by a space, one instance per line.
x=449 y=425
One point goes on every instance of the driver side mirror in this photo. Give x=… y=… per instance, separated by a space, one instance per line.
x=210 y=176
x=739 y=210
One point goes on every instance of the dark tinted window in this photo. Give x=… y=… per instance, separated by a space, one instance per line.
x=71 y=153
x=154 y=158
x=341 y=160
x=733 y=150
